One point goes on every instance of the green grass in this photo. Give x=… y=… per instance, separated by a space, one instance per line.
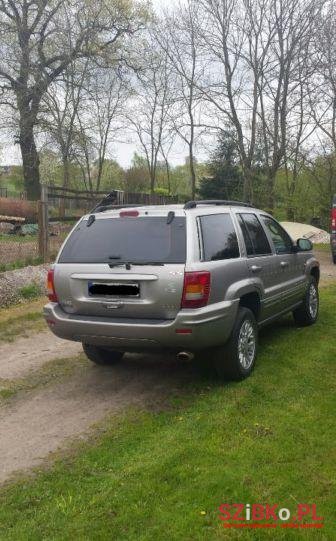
x=18 y=238
x=21 y=325
x=20 y=263
x=322 y=247
x=30 y=291
x=162 y=475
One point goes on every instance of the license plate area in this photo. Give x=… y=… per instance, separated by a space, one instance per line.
x=99 y=289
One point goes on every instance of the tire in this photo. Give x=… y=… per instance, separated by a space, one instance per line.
x=307 y=313
x=229 y=362
x=102 y=356
x=334 y=258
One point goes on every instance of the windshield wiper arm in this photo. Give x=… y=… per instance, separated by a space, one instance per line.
x=129 y=263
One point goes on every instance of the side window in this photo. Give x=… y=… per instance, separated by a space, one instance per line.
x=219 y=237
x=247 y=239
x=255 y=237
x=281 y=240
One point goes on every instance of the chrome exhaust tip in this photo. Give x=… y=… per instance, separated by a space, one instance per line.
x=185 y=356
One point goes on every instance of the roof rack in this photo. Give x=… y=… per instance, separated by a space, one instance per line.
x=216 y=202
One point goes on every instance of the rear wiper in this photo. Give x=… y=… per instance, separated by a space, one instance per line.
x=129 y=263
x=157 y=263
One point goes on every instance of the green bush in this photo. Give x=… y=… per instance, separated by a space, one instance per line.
x=30 y=291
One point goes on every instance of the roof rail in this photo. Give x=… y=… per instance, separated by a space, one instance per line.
x=215 y=202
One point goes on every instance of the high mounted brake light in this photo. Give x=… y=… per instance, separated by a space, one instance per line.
x=51 y=286
x=196 y=289
x=128 y=213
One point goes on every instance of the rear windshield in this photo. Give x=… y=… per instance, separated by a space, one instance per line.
x=129 y=240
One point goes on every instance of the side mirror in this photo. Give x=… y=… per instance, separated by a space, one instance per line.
x=304 y=245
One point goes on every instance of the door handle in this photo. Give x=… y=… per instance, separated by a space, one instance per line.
x=284 y=264
x=255 y=268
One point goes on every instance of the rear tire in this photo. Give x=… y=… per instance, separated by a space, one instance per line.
x=307 y=313
x=236 y=359
x=102 y=356
x=334 y=258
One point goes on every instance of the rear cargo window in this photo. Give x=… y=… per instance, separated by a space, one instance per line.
x=129 y=240
x=219 y=237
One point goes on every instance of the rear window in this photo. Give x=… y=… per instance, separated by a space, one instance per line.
x=219 y=237
x=133 y=240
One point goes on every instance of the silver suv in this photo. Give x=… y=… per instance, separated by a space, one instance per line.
x=194 y=278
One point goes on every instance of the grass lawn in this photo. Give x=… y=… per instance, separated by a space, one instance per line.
x=18 y=238
x=162 y=475
x=21 y=319
x=322 y=247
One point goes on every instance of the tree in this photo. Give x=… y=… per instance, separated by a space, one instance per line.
x=225 y=179
x=253 y=50
x=100 y=117
x=282 y=114
x=177 y=36
x=149 y=115
x=60 y=107
x=39 y=40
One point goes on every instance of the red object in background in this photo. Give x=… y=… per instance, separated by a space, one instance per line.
x=333 y=214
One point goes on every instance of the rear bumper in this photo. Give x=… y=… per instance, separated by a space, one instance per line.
x=208 y=326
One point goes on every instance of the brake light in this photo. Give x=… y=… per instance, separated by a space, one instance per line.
x=196 y=289
x=128 y=213
x=51 y=287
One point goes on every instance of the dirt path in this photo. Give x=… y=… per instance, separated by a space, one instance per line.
x=25 y=354
x=40 y=422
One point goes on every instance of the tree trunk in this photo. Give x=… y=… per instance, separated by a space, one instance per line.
x=290 y=214
x=270 y=192
x=152 y=181
x=192 y=172
x=65 y=185
x=247 y=185
x=30 y=161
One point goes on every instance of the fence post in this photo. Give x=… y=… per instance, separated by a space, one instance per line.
x=43 y=223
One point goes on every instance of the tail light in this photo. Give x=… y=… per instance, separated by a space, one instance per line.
x=196 y=289
x=51 y=286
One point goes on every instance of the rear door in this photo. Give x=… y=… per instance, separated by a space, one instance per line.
x=123 y=265
x=291 y=265
x=262 y=264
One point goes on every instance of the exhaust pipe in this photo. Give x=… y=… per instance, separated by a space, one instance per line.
x=185 y=356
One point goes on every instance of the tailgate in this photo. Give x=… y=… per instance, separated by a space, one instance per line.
x=151 y=292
